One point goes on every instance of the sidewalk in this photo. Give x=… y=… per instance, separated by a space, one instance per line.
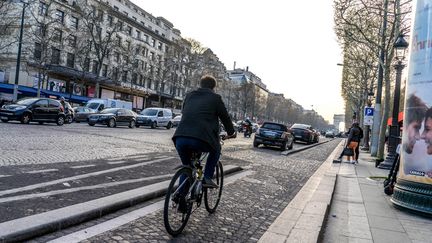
x=341 y=203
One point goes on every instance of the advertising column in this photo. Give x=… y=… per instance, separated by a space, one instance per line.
x=414 y=183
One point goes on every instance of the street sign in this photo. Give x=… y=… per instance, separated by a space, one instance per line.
x=368 y=111
x=368 y=116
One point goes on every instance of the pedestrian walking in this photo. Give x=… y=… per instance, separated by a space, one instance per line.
x=354 y=137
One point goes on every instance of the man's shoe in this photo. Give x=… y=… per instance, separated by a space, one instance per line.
x=338 y=160
x=208 y=183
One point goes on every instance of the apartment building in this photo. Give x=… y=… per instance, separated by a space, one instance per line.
x=82 y=49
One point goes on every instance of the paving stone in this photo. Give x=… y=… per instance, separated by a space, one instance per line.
x=388 y=236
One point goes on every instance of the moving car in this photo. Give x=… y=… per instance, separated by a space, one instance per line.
x=99 y=104
x=34 y=109
x=82 y=113
x=113 y=117
x=303 y=132
x=274 y=134
x=176 y=120
x=155 y=117
x=329 y=134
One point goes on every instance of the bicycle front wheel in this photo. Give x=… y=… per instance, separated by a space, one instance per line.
x=177 y=209
x=212 y=195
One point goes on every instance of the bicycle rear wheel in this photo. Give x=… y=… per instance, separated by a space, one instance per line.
x=212 y=195
x=177 y=209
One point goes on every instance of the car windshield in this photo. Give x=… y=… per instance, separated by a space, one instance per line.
x=273 y=126
x=149 y=112
x=108 y=111
x=26 y=101
x=93 y=105
x=301 y=126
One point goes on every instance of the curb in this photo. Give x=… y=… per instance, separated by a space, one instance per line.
x=303 y=220
x=35 y=225
x=288 y=152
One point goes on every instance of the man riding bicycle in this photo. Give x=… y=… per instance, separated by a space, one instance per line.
x=198 y=130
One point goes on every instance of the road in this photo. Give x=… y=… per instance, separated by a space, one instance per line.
x=45 y=167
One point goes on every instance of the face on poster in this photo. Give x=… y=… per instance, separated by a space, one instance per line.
x=416 y=154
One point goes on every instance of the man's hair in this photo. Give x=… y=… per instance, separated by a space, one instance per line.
x=415 y=109
x=428 y=113
x=208 y=81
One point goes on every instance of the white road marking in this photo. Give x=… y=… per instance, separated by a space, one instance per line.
x=49 y=183
x=116 y=162
x=2 y=176
x=40 y=171
x=127 y=218
x=81 y=166
x=64 y=191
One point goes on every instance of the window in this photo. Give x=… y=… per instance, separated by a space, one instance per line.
x=116 y=8
x=115 y=74
x=160 y=46
x=134 y=18
x=124 y=76
x=95 y=67
x=117 y=56
x=41 y=103
x=145 y=39
x=151 y=56
x=72 y=40
x=134 y=78
x=59 y=16
x=129 y=30
x=128 y=45
x=119 y=40
x=149 y=83
x=137 y=50
x=120 y=25
x=136 y=63
x=104 y=70
x=110 y=20
x=43 y=9
x=86 y=64
x=41 y=30
x=138 y=34
x=57 y=36
x=37 y=51
x=70 y=62
x=152 y=42
x=74 y=22
x=55 y=56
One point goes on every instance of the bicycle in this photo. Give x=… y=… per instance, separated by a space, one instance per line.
x=186 y=189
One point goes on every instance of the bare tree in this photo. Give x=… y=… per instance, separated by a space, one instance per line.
x=9 y=24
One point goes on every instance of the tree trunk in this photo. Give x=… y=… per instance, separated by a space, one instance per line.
x=385 y=115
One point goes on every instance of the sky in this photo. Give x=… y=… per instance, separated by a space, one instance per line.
x=290 y=45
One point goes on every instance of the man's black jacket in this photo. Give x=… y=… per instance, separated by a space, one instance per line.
x=201 y=112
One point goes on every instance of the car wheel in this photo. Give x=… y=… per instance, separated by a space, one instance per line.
x=255 y=144
x=137 y=125
x=60 y=120
x=69 y=119
x=91 y=124
x=26 y=118
x=284 y=146
x=77 y=121
x=111 y=123
x=153 y=125
x=41 y=123
x=169 y=125
x=4 y=120
x=132 y=124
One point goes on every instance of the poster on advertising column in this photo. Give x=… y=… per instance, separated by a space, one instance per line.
x=416 y=152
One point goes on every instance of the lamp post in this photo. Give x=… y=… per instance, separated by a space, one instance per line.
x=400 y=47
x=18 y=64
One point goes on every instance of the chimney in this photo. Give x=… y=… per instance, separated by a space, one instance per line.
x=234 y=65
x=247 y=68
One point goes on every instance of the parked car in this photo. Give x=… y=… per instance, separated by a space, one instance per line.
x=329 y=134
x=155 y=117
x=113 y=117
x=303 y=132
x=99 y=104
x=82 y=113
x=274 y=134
x=176 y=120
x=34 y=109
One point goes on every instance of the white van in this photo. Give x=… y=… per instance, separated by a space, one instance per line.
x=155 y=117
x=97 y=105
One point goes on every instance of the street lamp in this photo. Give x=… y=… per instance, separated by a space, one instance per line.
x=18 y=64
x=400 y=47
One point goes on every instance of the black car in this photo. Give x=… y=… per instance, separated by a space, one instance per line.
x=274 y=134
x=34 y=109
x=303 y=132
x=82 y=113
x=113 y=117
